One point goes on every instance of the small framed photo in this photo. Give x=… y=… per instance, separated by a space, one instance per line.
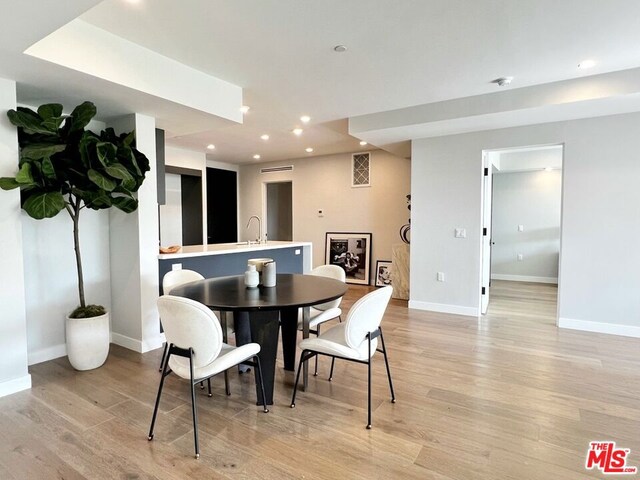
x=352 y=252
x=383 y=273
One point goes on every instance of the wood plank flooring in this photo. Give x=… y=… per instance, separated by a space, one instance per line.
x=508 y=396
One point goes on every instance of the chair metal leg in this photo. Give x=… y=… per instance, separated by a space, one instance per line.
x=295 y=386
x=201 y=385
x=369 y=384
x=226 y=383
x=209 y=387
x=259 y=370
x=315 y=373
x=193 y=407
x=333 y=361
x=164 y=354
x=340 y=318
x=386 y=362
x=155 y=408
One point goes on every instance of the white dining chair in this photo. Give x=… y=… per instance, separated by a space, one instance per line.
x=171 y=280
x=355 y=340
x=324 y=312
x=197 y=352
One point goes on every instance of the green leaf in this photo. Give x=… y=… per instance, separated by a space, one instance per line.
x=44 y=205
x=36 y=151
x=101 y=181
x=82 y=115
x=8 y=183
x=29 y=120
x=53 y=123
x=126 y=204
x=24 y=175
x=50 y=110
x=85 y=148
x=119 y=171
x=106 y=152
x=97 y=200
x=47 y=169
x=130 y=139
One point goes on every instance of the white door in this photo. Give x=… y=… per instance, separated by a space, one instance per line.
x=486 y=231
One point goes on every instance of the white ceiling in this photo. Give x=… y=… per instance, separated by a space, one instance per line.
x=400 y=54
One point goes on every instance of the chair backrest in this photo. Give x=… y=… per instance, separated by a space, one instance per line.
x=176 y=278
x=188 y=323
x=365 y=316
x=329 y=271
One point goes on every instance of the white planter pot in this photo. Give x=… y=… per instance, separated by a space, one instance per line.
x=87 y=341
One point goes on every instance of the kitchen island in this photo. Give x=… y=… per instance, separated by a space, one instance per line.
x=220 y=260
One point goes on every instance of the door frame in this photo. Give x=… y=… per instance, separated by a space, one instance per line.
x=265 y=213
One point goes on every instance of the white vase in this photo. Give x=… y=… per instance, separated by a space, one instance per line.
x=87 y=341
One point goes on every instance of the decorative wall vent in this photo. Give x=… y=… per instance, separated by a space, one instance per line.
x=284 y=168
x=361 y=170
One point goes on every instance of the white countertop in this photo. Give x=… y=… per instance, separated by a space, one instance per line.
x=226 y=248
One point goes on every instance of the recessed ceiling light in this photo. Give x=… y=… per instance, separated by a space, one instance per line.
x=340 y=48
x=363 y=143
x=587 y=64
x=305 y=118
x=548 y=169
x=308 y=149
x=264 y=137
x=244 y=109
x=256 y=156
x=297 y=131
x=211 y=146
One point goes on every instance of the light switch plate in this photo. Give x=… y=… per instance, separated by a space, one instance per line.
x=297 y=251
x=440 y=276
x=461 y=233
x=521 y=228
x=176 y=266
x=520 y=257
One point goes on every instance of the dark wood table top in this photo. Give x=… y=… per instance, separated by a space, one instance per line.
x=291 y=291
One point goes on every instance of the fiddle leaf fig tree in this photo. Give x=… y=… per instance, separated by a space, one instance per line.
x=64 y=166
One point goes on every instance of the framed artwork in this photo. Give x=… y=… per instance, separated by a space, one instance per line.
x=383 y=273
x=351 y=252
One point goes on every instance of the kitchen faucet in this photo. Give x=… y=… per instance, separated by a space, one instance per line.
x=259 y=226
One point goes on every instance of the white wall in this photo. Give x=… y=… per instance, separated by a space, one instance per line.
x=325 y=183
x=530 y=199
x=13 y=333
x=599 y=279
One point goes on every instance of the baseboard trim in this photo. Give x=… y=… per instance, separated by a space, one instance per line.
x=524 y=278
x=137 y=345
x=126 y=342
x=599 y=327
x=16 y=385
x=46 y=354
x=444 y=308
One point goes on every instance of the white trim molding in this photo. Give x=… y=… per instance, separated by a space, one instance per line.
x=137 y=345
x=16 y=385
x=524 y=278
x=599 y=327
x=444 y=308
x=46 y=354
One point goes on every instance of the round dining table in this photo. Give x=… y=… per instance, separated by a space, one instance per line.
x=268 y=309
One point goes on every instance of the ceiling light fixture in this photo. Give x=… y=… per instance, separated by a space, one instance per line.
x=340 y=48
x=244 y=109
x=548 y=169
x=308 y=149
x=211 y=146
x=503 y=81
x=363 y=143
x=264 y=137
x=256 y=157
x=587 y=64
x=297 y=131
x=305 y=119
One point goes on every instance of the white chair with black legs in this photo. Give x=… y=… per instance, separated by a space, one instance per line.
x=355 y=340
x=171 y=280
x=197 y=352
x=324 y=312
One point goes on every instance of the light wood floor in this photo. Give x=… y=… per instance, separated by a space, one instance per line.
x=506 y=397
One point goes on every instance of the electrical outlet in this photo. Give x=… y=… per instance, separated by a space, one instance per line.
x=440 y=276
x=461 y=233
x=297 y=251
x=176 y=266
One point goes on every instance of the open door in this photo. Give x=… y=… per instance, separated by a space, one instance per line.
x=487 y=196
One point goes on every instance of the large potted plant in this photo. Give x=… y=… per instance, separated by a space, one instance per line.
x=65 y=167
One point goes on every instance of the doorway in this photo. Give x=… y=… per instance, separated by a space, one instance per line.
x=279 y=211
x=521 y=245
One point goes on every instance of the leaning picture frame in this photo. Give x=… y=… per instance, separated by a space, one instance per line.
x=352 y=252
x=383 y=273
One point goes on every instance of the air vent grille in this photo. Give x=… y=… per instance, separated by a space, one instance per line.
x=284 y=168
